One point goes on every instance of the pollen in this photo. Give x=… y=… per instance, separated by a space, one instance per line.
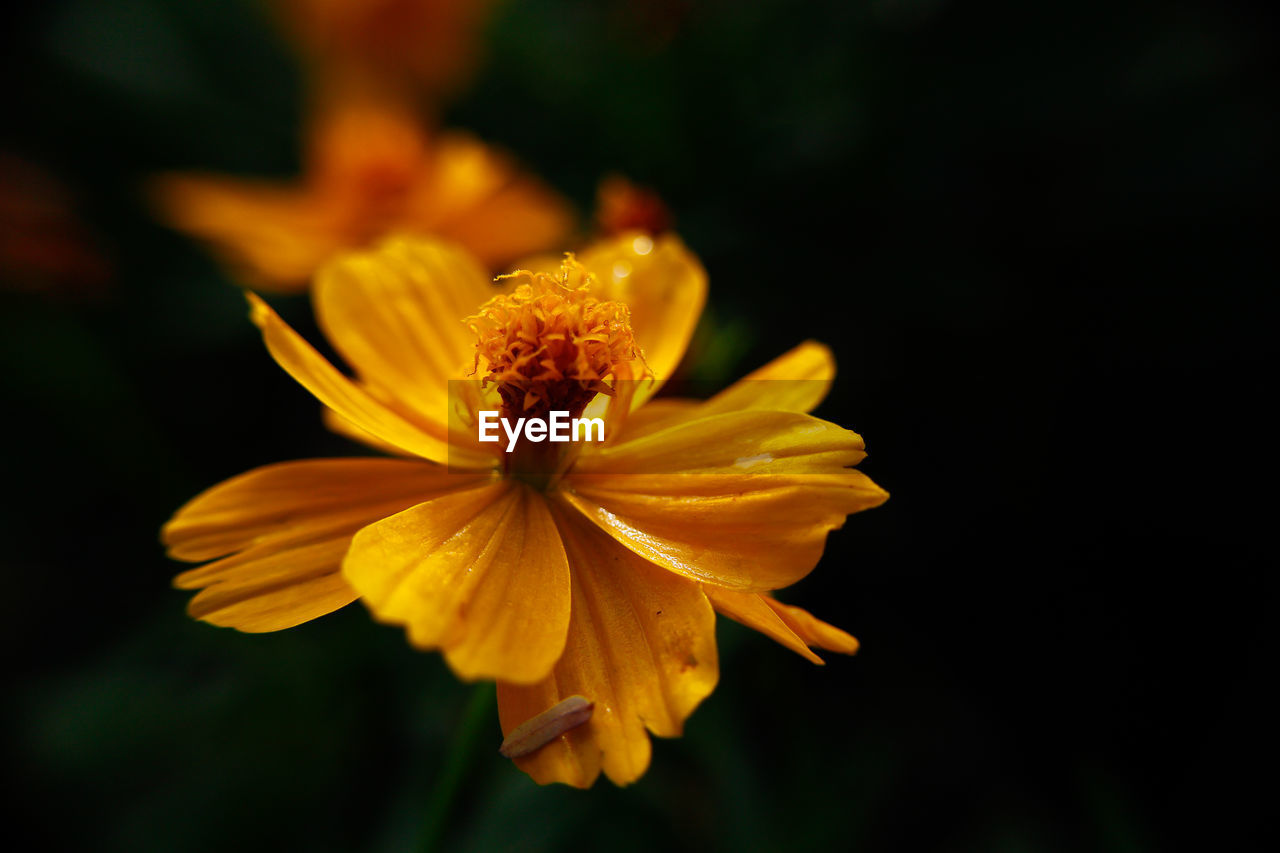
x=550 y=344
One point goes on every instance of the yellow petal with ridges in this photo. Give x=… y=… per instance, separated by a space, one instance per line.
x=286 y=528
x=742 y=500
x=796 y=381
x=751 y=441
x=395 y=315
x=284 y=534
x=278 y=591
x=284 y=500
x=740 y=532
x=641 y=646
x=480 y=574
x=353 y=403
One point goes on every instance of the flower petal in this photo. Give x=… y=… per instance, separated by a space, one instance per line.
x=273 y=236
x=659 y=414
x=742 y=442
x=813 y=630
x=742 y=500
x=793 y=627
x=480 y=574
x=337 y=424
x=286 y=528
x=796 y=381
x=396 y=316
x=641 y=647
x=665 y=287
x=751 y=610
x=353 y=403
x=279 y=590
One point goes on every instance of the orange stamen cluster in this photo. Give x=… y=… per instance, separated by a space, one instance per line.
x=549 y=344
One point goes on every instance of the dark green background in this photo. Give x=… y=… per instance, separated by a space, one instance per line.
x=1031 y=231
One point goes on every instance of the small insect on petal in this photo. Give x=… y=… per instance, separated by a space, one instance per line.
x=535 y=733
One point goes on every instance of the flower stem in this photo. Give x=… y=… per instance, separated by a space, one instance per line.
x=475 y=718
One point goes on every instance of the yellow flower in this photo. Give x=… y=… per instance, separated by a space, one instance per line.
x=592 y=571
x=371 y=170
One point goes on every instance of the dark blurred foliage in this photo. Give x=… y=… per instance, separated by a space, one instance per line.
x=1033 y=233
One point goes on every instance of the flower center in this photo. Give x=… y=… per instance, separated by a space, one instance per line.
x=549 y=344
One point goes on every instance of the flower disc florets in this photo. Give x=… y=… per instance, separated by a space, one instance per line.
x=549 y=344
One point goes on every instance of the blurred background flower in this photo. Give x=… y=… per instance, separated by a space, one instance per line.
x=372 y=169
x=1038 y=239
